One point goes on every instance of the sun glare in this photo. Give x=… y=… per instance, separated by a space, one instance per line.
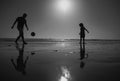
x=65 y=74
x=64 y=5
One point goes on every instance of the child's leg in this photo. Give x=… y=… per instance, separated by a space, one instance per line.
x=83 y=40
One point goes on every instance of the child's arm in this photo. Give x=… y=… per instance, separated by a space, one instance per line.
x=86 y=30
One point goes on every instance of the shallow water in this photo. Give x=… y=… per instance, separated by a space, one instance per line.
x=60 y=61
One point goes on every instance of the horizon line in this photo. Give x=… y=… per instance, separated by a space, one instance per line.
x=61 y=39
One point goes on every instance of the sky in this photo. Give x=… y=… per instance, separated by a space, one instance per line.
x=61 y=18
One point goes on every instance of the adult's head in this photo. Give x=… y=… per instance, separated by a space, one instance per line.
x=24 y=15
x=81 y=24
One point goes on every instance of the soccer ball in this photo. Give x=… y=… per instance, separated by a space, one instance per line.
x=32 y=33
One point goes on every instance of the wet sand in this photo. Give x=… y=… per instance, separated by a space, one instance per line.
x=60 y=61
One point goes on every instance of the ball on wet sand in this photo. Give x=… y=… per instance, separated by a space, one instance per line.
x=32 y=33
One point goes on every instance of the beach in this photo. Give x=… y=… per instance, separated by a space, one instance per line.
x=60 y=61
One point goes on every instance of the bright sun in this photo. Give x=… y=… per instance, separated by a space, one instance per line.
x=64 y=5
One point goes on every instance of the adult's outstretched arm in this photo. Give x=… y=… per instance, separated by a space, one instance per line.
x=26 y=26
x=14 y=24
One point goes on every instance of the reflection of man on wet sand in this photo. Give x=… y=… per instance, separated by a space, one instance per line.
x=20 y=63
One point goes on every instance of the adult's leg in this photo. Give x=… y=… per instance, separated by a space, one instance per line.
x=18 y=37
x=22 y=35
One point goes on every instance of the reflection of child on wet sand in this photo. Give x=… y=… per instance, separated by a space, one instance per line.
x=83 y=55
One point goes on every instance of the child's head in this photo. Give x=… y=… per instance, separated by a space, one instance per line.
x=81 y=24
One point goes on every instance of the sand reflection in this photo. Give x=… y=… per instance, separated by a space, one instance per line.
x=62 y=44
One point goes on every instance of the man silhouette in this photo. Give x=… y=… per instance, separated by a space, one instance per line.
x=21 y=21
x=82 y=33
